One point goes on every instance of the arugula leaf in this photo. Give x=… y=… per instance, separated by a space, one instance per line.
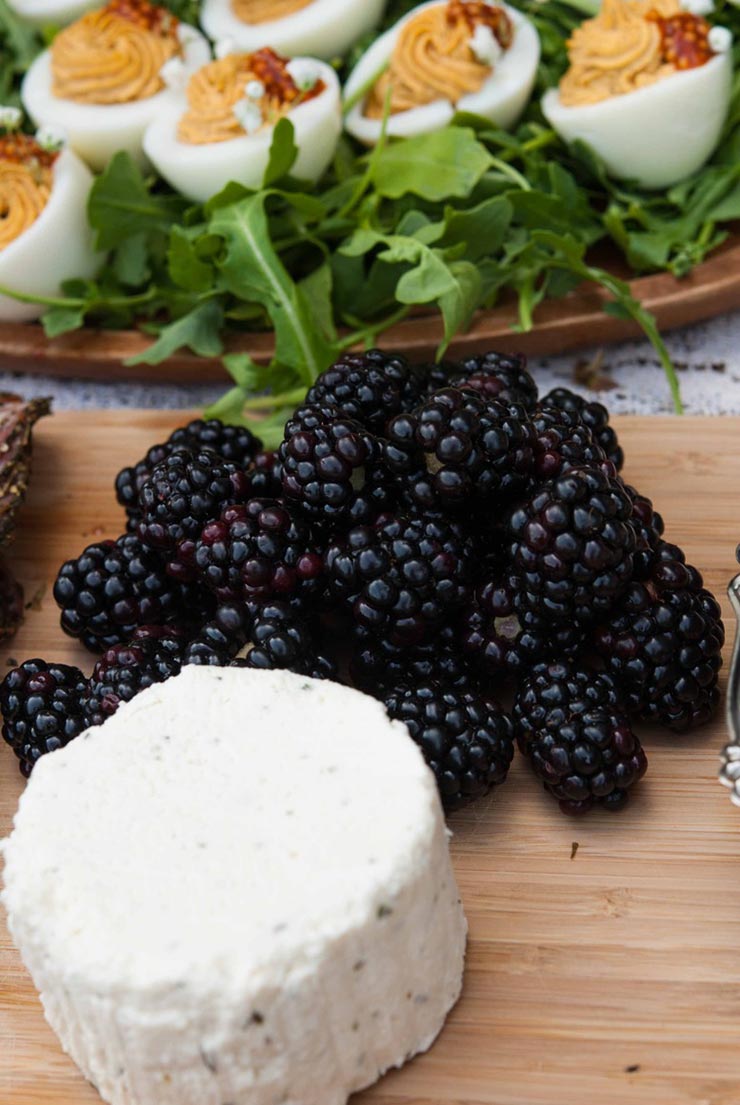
x=198 y=330
x=121 y=204
x=435 y=166
x=186 y=268
x=283 y=153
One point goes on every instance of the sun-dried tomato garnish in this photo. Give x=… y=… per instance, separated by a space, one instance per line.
x=146 y=15
x=271 y=69
x=476 y=14
x=685 y=39
x=22 y=149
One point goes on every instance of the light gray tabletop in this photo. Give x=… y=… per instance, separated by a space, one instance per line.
x=707 y=357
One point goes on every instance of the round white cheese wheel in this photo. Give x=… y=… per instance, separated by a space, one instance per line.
x=237 y=890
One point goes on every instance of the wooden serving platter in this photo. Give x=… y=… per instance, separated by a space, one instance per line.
x=562 y=325
x=602 y=974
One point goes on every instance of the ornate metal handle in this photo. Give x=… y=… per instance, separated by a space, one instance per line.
x=729 y=775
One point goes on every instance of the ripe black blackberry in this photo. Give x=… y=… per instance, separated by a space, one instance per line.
x=466 y=738
x=112 y=588
x=183 y=493
x=377 y=666
x=264 y=477
x=649 y=528
x=498 y=376
x=502 y=638
x=328 y=465
x=402 y=578
x=282 y=640
x=563 y=442
x=154 y=654
x=458 y=448
x=233 y=443
x=220 y=639
x=368 y=387
x=592 y=414
x=573 y=728
x=257 y=551
x=663 y=643
x=42 y=709
x=572 y=545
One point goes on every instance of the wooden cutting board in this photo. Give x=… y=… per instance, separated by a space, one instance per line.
x=606 y=974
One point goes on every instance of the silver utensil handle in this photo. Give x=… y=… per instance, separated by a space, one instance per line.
x=729 y=774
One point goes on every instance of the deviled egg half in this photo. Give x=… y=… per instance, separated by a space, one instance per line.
x=224 y=130
x=106 y=77
x=322 y=28
x=443 y=57
x=45 y=238
x=50 y=13
x=648 y=90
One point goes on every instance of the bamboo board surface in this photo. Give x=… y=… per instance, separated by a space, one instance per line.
x=608 y=977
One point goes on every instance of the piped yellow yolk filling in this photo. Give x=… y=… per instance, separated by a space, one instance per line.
x=114 y=55
x=26 y=178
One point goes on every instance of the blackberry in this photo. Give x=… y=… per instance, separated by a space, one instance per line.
x=498 y=376
x=257 y=551
x=377 y=666
x=183 y=493
x=282 y=640
x=663 y=643
x=458 y=448
x=220 y=640
x=504 y=639
x=42 y=710
x=573 y=728
x=573 y=546
x=153 y=655
x=592 y=414
x=112 y=588
x=402 y=578
x=328 y=465
x=649 y=528
x=466 y=738
x=434 y=377
x=368 y=387
x=563 y=442
x=264 y=477
x=233 y=443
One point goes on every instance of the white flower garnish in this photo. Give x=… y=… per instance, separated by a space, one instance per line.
x=51 y=139
x=720 y=40
x=10 y=117
x=304 y=72
x=698 y=7
x=224 y=47
x=254 y=90
x=485 y=45
x=174 y=74
x=248 y=115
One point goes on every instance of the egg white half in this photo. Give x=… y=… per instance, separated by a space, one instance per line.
x=656 y=135
x=51 y=13
x=325 y=29
x=199 y=171
x=97 y=131
x=501 y=99
x=56 y=247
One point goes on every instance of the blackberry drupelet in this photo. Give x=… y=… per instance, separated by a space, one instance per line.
x=505 y=640
x=258 y=551
x=264 y=477
x=154 y=654
x=329 y=463
x=572 y=545
x=220 y=639
x=433 y=377
x=663 y=643
x=563 y=442
x=368 y=387
x=592 y=414
x=283 y=640
x=458 y=448
x=649 y=528
x=466 y=738
x=402 y=578
x=42 y=709
x=498 y=376
x=377 y=666
x=233 y=443
x=112 y=588
x=573 y=728
x=183 y=493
